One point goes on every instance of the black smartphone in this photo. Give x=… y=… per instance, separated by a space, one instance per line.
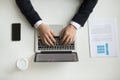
x=16 y=32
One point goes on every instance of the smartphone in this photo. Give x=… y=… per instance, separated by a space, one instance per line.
x=16 y=32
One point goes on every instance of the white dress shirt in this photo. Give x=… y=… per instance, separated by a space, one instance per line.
x=75 y=24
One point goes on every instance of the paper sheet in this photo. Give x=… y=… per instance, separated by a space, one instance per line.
x=103 y=37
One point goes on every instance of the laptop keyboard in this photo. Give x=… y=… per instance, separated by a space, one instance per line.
x=57 y=45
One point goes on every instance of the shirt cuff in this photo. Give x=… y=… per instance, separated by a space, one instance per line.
x=75 y=24
x=38 y=23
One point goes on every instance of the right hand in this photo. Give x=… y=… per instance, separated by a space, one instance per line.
x=46 y=35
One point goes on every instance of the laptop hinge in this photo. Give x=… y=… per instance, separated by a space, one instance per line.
x=56 y=52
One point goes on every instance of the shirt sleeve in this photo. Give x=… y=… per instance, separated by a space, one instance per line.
x=36 y=25
x=75 y=24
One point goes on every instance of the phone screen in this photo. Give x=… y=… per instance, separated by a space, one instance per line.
x=16 y=32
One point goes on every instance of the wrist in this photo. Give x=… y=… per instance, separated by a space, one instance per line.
x=40 y=26
x=72 y=26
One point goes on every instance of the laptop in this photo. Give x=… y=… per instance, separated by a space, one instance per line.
x=57 y=53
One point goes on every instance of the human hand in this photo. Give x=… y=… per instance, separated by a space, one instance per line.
x=46 y=35
x=67 y=35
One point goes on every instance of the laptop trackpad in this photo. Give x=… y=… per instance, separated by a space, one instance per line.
x=56 y=57
x=56 y=29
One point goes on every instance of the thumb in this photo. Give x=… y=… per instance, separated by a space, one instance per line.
x=61 y=33
x=52 y=33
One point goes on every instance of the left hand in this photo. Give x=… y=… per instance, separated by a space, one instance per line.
x=67 y=35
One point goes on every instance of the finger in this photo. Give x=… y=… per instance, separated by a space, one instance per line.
x=67 y=41
x=42 y=39
x=61 y=34
x=71 y=40
x=63 y=39
x=49 y=41
x=45 y=42
x=52 y=33
x=52 y=38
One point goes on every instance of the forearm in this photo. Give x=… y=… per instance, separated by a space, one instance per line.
x=28 y=11
x=84 y=11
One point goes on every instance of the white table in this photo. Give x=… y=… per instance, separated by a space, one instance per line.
x=86 y=69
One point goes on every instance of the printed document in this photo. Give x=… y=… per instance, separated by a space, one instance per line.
x=103 y=37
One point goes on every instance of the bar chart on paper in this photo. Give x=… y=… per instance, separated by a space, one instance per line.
x=103 y=49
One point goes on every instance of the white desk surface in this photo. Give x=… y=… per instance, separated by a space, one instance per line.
x=86 y=69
